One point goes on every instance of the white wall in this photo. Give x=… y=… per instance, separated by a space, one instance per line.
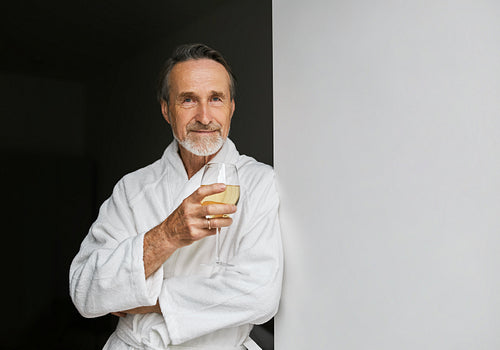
x=387 y=151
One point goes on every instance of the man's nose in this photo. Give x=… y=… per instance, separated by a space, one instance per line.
x=203 y=113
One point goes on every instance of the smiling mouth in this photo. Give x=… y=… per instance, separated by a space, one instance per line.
x=204 y=131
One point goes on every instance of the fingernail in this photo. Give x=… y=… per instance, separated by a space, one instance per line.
x=222 y=186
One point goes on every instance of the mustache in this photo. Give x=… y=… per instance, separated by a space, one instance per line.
x=197 y=126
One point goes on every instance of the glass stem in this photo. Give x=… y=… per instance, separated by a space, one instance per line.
x=217 y=249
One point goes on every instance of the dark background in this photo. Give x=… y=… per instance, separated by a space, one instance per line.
x=78 y=109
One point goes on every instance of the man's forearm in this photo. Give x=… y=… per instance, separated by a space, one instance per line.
x=145 y=309
x=157 y=249
x=140 y=310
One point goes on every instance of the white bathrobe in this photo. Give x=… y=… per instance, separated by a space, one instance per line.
x=203 y=306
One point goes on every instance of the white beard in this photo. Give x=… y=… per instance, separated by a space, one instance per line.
x=202 y=146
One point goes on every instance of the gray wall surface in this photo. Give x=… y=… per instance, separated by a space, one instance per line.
x=387 y=141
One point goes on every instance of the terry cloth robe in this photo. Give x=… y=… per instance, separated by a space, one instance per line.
x=203 y=306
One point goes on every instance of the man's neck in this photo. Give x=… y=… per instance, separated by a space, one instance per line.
x=193 y=163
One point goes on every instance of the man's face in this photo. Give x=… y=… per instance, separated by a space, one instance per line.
x=200 y=107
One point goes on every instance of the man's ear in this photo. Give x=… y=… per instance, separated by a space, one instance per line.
x=164 y=110
x=233 y=107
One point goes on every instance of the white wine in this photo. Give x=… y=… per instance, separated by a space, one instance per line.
x=230 y=196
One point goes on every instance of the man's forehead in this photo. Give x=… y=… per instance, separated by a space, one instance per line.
x=202 y=66
x=199 y=76
x=192 y=93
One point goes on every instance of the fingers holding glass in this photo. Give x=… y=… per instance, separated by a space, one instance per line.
x=217 y=222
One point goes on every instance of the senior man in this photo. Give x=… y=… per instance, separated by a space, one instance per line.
x=147 y=257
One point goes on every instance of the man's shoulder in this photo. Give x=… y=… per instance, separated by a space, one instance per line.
x=258 y=182
x=254 y=171
x=135 y=182
x=248 y=163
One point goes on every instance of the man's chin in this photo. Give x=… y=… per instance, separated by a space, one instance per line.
x=202 y=147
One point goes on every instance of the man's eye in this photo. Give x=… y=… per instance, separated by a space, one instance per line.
x=188 y=100
x=216 y=99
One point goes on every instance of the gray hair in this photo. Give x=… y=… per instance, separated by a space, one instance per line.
x=188 y=52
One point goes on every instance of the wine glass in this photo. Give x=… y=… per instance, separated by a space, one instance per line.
x=227 y=174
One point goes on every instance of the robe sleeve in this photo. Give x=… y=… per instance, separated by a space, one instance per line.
x=107 y=274
x=249 y=292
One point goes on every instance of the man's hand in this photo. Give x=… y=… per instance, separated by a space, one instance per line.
x=139 y=310
x=186 y=224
